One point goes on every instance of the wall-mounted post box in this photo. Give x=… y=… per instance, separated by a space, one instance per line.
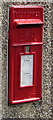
x=25 y=54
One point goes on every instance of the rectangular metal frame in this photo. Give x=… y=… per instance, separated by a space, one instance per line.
x=26 y=28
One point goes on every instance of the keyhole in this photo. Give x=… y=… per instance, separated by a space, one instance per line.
x=27 y=48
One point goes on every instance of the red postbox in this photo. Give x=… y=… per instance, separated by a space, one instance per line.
x=25 y=54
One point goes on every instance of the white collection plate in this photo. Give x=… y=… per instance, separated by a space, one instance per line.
x=26 y=70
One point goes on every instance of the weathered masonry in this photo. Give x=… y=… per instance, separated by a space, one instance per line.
x=41 y=109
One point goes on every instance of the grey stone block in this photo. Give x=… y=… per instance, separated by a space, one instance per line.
x=39 y=109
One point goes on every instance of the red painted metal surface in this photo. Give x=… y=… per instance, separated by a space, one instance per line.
x=26 y=29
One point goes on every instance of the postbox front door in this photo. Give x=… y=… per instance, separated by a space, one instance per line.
x=25 y=54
